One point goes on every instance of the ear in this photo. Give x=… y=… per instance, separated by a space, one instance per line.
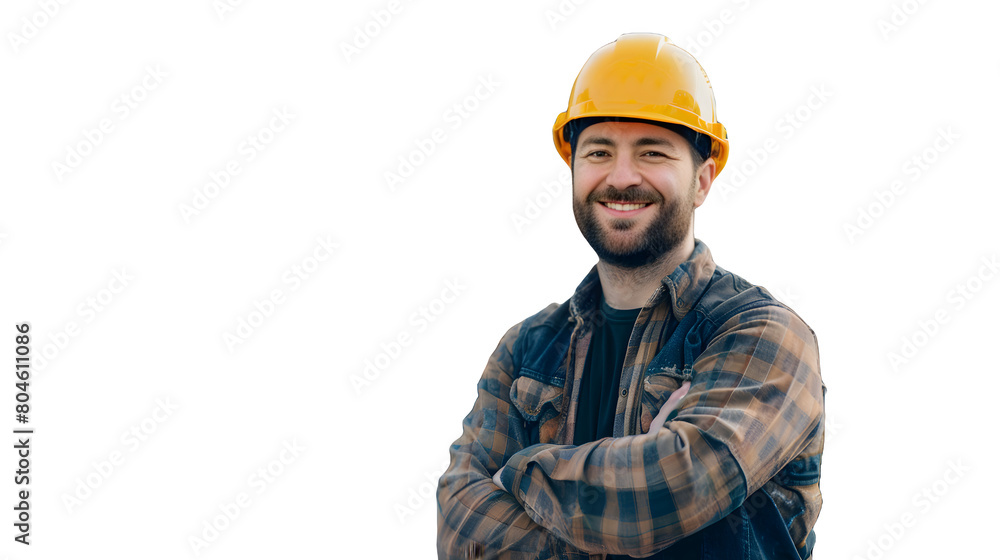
x=704 y=176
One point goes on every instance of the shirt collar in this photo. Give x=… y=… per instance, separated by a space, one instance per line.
x=684 y=285
x=688 y=281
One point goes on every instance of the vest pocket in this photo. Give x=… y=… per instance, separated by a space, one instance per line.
x=540 y=404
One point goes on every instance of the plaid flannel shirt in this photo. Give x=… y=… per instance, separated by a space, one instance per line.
x=741 y=451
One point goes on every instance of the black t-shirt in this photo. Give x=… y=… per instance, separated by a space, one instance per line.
x=599 y=392
x=595 y=413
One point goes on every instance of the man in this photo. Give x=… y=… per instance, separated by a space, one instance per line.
x=669 y=408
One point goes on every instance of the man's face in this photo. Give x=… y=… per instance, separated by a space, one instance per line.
x=635 y=190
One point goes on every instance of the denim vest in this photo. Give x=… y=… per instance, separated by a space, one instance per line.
x=756 y=530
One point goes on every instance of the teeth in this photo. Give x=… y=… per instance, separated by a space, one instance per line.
x=617 y=206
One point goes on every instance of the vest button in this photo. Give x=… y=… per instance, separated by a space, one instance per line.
x=624 y=392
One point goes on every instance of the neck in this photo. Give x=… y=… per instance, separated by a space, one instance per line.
x=631 y=288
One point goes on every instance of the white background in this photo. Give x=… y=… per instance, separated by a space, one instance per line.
x=368 y=454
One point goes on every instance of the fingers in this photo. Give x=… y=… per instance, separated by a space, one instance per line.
x=658 y=421
x=496 y=478
x=677 y=395
x=668 y=407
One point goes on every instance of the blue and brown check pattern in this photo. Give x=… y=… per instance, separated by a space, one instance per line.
x=754 y=410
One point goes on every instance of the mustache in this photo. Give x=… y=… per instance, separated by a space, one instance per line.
x=627 y=196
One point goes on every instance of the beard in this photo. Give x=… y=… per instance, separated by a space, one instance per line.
x=666 y=232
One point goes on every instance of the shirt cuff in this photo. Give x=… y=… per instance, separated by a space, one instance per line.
x=516 y=473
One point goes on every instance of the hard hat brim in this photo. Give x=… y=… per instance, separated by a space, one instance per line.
x=666 y=114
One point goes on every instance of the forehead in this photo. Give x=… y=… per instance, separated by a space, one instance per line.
x=626 y=132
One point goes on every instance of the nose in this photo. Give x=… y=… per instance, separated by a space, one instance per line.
x=624 y=174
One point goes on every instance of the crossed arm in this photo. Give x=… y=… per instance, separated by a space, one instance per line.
x=754 y=400
x=654 y=426
x=477 y=519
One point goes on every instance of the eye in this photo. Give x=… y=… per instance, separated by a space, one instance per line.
x=598 y=153
x=652 y=153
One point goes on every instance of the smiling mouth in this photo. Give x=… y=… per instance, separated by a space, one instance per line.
x=625 y=207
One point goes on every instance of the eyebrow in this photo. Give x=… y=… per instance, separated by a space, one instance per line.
x=644 y=141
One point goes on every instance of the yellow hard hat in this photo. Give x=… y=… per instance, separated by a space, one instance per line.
x=644 y=76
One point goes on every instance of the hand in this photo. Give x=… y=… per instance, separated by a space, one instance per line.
x=496 y=478
x=667 y=408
